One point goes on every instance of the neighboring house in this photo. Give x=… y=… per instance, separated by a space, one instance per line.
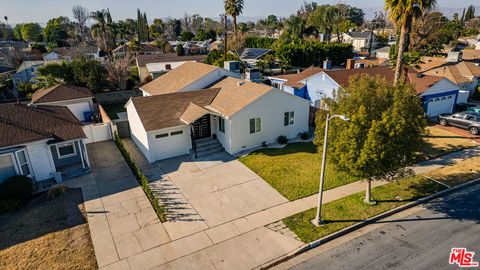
x=315 y=86
x=26 y=72
x=250 y=56
x=303 y=84
x=79 y=100
x=383 y=53
x=466 y=74
x=232 y=114
x=361 y=41
x=188 y=76
x=69 y=53
x=157 y=65
x=439 y=95
x=42 y=142
x=144 y=49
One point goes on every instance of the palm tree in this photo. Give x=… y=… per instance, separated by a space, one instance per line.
x=99 y=28
x=403 y=12
x=234 y=8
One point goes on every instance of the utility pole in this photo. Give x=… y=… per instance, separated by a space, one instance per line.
x=225 y=35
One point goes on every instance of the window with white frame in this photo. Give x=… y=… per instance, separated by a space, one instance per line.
x=289 y=118
x=255 y=125
x=221 y=125
x=65 y=150
x=23 y=163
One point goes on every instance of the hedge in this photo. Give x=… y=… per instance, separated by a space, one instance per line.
x=313 y=53
x=259 y=42
x=142 y=179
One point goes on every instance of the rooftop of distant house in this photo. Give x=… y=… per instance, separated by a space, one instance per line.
x=143 y=60
x=61 y=92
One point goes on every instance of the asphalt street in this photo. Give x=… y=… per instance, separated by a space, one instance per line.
x=422 y=240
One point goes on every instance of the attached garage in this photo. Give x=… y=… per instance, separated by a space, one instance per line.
x=439 y=95
x=169 y=143
x=440 y=105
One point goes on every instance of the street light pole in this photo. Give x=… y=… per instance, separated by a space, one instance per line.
x=318 y=218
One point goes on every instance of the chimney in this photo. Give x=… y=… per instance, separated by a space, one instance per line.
x=454 y=57
x=350 y=64
x=327 y=64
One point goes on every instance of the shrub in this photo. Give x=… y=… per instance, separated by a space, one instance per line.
x=305 y=135
x=16 y=187
x=282 y=139
x=56 y=191
x=15 y=192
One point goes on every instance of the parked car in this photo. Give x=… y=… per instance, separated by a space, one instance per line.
x=468 y=121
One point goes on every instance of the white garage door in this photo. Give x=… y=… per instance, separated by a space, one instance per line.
x=439 y=105
x=170 y=144
x=78 y=109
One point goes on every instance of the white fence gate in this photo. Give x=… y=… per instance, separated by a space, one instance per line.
x=97 y=133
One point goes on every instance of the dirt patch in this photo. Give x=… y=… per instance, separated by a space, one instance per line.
x=47 y=234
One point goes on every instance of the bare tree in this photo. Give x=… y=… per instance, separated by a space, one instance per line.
x=81 y=16
x=118 y=71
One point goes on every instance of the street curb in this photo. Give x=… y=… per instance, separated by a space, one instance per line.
x=364 y=223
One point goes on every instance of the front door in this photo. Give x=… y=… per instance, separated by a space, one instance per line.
x=201 y=128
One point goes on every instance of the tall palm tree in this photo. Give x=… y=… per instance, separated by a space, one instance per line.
x=234 y=8
x=403 y=12
x=99 y=28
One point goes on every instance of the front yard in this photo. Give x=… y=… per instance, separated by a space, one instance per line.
x=47 y=234
x=294 y=171
x=349 y=210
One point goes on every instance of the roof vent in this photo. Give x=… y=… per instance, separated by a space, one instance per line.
x=420 y=75
x=240 y=83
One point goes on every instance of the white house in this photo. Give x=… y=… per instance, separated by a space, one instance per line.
x=361 y=41
x=232 y=114
x=69 y=53
x=154 y=66
x=79 y=100
x=188 y=76
x=42 y=142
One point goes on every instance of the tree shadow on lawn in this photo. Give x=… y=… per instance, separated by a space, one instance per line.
x=42 y=216
x=292 y=148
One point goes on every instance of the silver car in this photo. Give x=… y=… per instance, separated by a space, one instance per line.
x=468 y=121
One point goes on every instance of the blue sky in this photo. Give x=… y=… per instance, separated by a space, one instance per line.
x=42 y=10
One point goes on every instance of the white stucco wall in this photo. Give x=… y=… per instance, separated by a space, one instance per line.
x=320 y=86
x=272 y=120
x=161 y=67
x=222 y=137
x=137 y=131
x=76 y=106
x=210 y=78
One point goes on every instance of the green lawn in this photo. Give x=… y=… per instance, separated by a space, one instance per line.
x=294 y=171
x=349 y=210
x=113 y=109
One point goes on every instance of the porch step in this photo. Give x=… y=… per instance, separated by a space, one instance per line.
x=206 y=142
x=208 y=146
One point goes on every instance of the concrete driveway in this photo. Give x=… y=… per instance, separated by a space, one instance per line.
x=206 y=193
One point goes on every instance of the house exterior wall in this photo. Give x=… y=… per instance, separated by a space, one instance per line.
x=77 y=106
x=320 y=86
x=272 y=120
x=137 y=131
x=223 y=137
x=62 y=162
x=162 y=66
x=210 y=78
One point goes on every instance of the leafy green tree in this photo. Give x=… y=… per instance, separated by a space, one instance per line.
x=234 y=8
x=384 y=134
x=403 y=13
x=187 y=36
x=180 y=50
x=157 y=29
x=306 y=54
x=79 y=72
x=31 y=32
x=17 y=31
x=58 y=31
x=259 y=42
